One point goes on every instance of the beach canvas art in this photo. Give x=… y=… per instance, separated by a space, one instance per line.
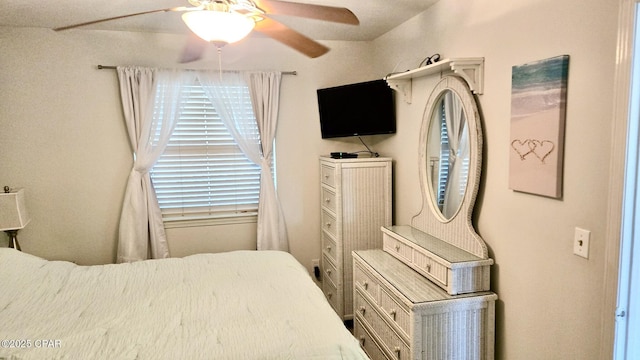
x=538 y=103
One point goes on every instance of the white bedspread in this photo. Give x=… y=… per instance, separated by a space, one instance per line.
x=238 y=305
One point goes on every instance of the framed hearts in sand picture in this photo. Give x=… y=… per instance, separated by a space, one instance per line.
x=538 y=103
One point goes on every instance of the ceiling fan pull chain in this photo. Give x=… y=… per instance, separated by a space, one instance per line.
x=219 y=61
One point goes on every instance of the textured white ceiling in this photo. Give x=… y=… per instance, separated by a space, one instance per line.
x=376 y=16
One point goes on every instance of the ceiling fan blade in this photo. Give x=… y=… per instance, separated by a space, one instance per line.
x=180 y=8
x=319 y=12
x=193 y=49
x=291 y=38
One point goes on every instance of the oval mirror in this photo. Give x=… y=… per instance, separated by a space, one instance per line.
x=450 y=149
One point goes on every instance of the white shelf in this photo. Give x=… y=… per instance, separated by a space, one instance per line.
x=470 y=69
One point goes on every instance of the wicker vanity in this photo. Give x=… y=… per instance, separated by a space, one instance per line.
x=426 y=293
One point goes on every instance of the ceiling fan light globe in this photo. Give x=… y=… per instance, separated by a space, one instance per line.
x=217 y=26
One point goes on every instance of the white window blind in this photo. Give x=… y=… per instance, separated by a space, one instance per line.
x=203 y=173
x=444 y=166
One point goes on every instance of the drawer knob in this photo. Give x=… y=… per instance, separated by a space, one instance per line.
x=397 y=351
x=428 y=267
x=365 y=285
x=326 y=176
x=393 y=313
x=362 y=340
x=329 y=248
x=328 y=271
x=329 y=295
x=362 y=309
x=327 y=200
x=328 y=224
x=397 y=247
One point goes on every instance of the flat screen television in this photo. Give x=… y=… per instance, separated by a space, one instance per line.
x=366 y=108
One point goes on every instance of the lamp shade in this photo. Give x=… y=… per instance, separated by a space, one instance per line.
x=218 y=27
x=13 y=212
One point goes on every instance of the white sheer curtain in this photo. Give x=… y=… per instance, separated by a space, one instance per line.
x=221 y=88
x=265 y=96
x=457 y=132
x=141 y=232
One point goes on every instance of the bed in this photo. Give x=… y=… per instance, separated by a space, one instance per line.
x=236 y=305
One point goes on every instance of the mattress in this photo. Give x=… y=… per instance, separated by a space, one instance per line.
x=236 y=305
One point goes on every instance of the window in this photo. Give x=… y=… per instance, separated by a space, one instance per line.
x=443 y=164
x=203 y=173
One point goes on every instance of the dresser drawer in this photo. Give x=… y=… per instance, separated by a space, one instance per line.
x=329 y=199
x=397 y=248
x=330 y=271
x=329 y=223
x=331 y=293
x=367 y=342
x=449 y=267
x=328 y=175
x=433 y=269
x=330 y=247
x=365 y=281
x=395 y=312
x=394 y=345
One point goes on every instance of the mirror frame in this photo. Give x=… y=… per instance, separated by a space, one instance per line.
x=458 y=230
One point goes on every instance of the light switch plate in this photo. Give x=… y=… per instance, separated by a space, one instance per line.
x=581 y=242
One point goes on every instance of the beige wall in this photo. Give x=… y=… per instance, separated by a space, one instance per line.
x=62 y=138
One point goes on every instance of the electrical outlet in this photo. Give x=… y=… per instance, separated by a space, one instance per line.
x=581 y=242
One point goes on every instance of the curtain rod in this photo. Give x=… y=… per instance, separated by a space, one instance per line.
x=100 y=67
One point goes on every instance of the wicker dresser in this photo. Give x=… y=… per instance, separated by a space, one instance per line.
x=425 y=294
x=400 y=314
x=356 y=202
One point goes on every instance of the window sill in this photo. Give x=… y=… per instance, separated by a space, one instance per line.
x=210 y=220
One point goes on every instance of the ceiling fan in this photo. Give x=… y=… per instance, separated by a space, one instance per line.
x=216 y=21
